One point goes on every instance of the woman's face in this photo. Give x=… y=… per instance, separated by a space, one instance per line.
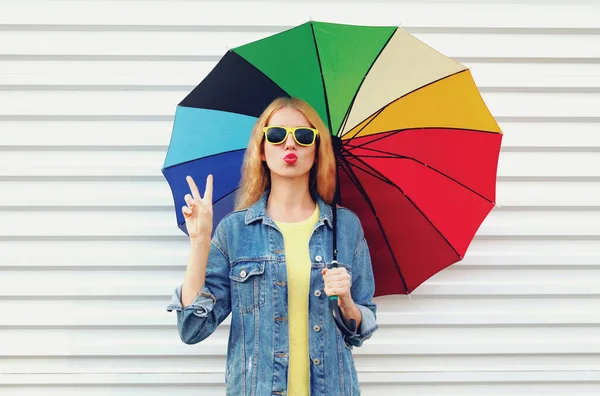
x=276 y=155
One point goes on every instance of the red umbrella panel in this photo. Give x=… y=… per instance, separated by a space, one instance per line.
x=420 y=172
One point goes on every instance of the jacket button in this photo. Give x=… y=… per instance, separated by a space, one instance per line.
x=318 y=293
x=317 y=328
x=316 y=361
x=243 y=273
x=319 y=259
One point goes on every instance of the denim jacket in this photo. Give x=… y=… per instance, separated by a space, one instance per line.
x=246 y=277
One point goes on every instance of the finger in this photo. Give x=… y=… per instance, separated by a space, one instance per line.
x=338 y=285
x=338 y=270
x=334 y=270
x=338 y=274
x=338 y=291
x=208 y=191
x=338 y=277
x=193 y=187
x=335 y=273
x=186 y=211
x=335 y=291
x=189 y=201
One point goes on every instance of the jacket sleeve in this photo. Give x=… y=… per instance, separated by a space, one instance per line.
x=212 y=305
x=362 y=291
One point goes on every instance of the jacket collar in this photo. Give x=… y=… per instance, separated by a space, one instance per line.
x=258 y=210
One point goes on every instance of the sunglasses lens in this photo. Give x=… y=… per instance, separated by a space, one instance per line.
x=276 y=135
x=304 y=136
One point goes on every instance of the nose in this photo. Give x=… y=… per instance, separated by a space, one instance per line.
x=290 y=142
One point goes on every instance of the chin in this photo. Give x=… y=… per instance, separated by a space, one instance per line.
x=291 y=172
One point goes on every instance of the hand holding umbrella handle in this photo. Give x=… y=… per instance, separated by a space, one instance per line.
x=346 y=329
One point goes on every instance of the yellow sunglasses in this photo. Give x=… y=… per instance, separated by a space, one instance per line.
x=304 y=136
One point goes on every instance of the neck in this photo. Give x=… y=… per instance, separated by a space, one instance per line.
x=289 y=199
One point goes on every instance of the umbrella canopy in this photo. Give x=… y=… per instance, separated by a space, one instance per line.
x=417 y=149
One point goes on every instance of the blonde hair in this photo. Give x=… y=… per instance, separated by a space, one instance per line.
x=256 y=177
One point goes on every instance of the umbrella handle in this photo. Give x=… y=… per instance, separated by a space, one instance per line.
x=348 y=330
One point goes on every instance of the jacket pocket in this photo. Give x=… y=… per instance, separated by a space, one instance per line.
x=248 y=284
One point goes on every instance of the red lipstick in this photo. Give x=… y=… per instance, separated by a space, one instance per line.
x=290 y=158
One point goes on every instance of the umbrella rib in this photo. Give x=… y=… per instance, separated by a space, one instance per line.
x=378 y=177
x=363 y=80
x=393 y=132
x=354 y=181
x=399 y=156
x=414 y=204
x=312 y=29
x=364 y=126
x=201 y=158
x=378 y=112
x=226 y=195
x=382 y=178
x=365 y=195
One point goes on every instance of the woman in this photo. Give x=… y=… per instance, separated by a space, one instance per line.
x=267 y=265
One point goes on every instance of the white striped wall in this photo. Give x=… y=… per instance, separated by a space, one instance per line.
x=89 y=250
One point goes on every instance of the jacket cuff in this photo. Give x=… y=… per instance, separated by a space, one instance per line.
x=368 y=325
x=202 y=305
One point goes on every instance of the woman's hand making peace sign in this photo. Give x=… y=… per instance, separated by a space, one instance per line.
x=198 y=213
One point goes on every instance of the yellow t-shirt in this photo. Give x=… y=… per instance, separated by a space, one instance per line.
x=296 y=237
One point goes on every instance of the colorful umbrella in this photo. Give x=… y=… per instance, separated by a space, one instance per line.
x=417 y=148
